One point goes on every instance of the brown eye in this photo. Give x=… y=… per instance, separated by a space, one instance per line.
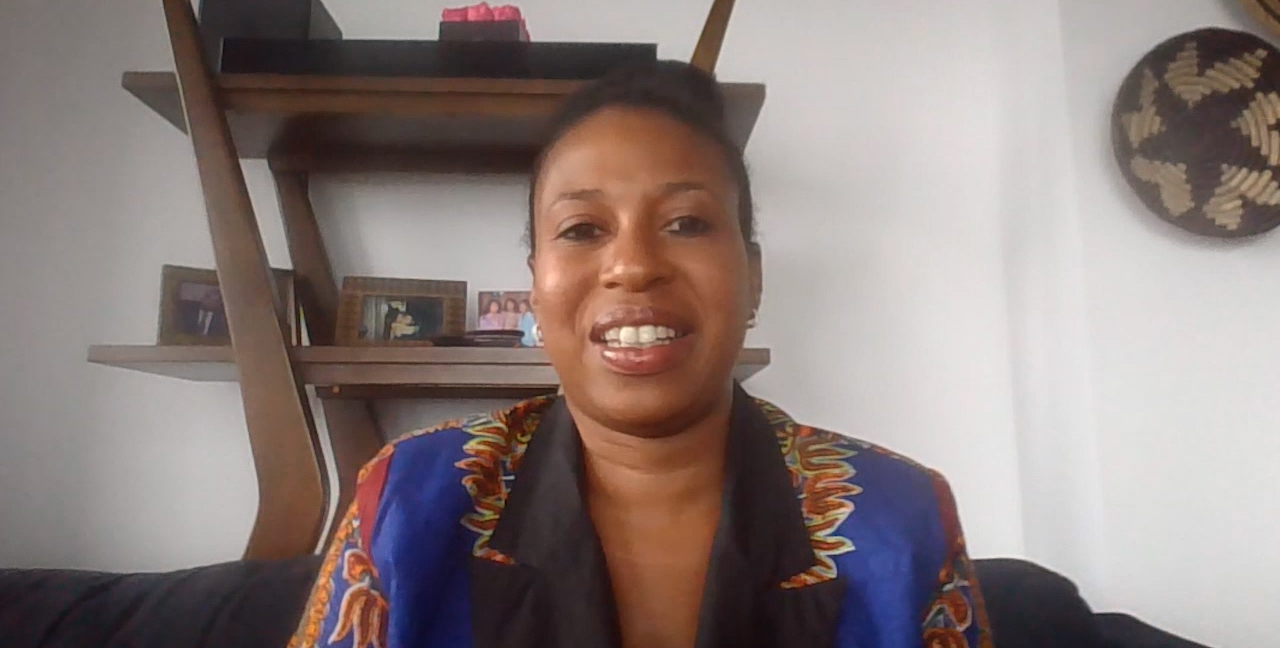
x=580 y=232
x=688 y=226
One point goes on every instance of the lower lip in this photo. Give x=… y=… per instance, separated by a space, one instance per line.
x=646 y=362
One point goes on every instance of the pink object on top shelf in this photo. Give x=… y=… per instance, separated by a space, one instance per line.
x=479 y=13
x=507 y=12
x=482 y=12
x=454 y=15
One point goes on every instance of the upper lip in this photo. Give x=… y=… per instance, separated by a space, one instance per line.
x=638 y=316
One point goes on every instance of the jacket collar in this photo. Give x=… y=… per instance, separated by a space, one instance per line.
x=761 y=541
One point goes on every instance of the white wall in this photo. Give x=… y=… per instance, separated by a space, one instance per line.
x=953 y=269
x=877 y=187
x=1184 y=363
x=1057 y=453
x=100 y=468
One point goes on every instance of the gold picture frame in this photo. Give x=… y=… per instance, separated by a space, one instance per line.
x=374 y=311
x=191 y=312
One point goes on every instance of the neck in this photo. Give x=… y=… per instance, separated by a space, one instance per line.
x=635 y=473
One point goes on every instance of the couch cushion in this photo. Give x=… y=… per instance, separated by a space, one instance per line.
x=1124 y=631
x=1032 y=607
x=257 y=604
x=240 y=604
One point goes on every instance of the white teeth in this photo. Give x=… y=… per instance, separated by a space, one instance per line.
x=639 y=336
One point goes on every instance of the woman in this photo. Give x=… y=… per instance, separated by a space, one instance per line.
x=527 y=324
x=492 y=320
x=655 y=504
x=511 y=315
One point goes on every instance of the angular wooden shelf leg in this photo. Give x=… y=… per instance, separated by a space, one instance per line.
x=707 y=52
x=355 y=439
x=316 y=284
x=292 y=486
x=353 y=430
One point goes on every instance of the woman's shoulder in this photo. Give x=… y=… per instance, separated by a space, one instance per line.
x=888 y=526
x=505 y=431
x=787 y=428
x=854 y=493
x=476 y=444
x=873 y=474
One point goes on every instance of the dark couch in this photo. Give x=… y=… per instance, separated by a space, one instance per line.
x=257 y=604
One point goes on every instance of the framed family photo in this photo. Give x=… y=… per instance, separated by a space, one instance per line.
x=508 y=310
x=400 y=312
x=192 y=312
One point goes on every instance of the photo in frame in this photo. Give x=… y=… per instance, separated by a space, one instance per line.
x=508 y=310
x=192 y=311
x=375 y=311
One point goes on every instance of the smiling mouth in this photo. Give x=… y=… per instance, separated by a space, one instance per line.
x=640 y=337
x=642 y=342
x=633 y=329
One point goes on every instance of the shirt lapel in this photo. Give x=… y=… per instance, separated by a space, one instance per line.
x=761 y=542
x=557 y=592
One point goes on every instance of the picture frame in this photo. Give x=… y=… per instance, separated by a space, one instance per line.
x=375 y=311
x=191 y=310
x=509 y=310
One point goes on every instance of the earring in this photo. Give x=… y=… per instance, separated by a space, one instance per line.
x=751 y=321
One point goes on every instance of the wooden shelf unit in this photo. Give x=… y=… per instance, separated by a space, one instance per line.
x=379 y=372
x=304 y=125
x=359 y=124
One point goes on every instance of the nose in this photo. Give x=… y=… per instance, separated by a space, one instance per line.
x=635 y=260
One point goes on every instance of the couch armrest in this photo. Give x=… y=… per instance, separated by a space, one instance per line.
x=246 y=604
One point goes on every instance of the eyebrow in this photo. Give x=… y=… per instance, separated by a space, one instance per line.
x=580 y=194
x=672 y=188
x=668 y=189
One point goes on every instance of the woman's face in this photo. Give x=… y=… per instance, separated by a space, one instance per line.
x=524 y=307
x=641 y=281
x=511 y=306
x=494 y=307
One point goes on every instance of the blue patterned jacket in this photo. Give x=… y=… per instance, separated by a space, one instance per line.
x=476 y=533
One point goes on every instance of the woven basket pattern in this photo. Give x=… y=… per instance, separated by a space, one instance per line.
x=1196 y=131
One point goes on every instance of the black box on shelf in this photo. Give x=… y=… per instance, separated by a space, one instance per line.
x=391 y=58
x=287 y=19
x=495 y=30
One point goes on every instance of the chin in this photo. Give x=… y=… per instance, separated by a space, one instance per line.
x=649 y=408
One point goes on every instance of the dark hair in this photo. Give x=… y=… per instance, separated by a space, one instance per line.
x=675 y=89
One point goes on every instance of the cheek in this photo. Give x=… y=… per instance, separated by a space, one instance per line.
x=558 y=293
x=723 y=287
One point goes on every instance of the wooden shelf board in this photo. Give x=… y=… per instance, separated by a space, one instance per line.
x=450 y=392
x=380 y=372
x=198 y=363
x=337 y=124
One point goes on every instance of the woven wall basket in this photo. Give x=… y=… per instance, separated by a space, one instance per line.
x=1196 y=130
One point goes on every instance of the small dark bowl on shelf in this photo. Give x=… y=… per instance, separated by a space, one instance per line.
x=497 y=339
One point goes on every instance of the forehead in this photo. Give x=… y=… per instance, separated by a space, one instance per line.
x=621 y=147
